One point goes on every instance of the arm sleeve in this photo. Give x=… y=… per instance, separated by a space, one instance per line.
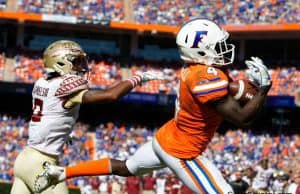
x=207 y=87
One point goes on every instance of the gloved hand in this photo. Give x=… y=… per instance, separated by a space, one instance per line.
x=142 y=77
x=70 y=139
x=151 y=75
x=257 y=72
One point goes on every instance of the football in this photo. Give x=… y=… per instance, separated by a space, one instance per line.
x=242 y=90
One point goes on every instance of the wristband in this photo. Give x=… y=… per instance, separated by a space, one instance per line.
x=135 y=80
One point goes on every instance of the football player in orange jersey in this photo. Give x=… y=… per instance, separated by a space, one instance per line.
x=202 y=104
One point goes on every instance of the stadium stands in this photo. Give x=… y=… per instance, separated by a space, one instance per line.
x=285 y=80
x=234 y=150
x=223 y=12
x=173 y=12
x=87 y=9
x=154 y=52
x=40 y=42
x=104 y=73
x=28 y=69
x=2 y=4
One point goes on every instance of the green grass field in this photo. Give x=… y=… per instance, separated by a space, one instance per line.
x=5 y=189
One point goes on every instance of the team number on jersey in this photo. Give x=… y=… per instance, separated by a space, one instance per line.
x=37 y=110
x=212 y=70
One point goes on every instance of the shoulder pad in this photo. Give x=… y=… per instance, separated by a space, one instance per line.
x=71 y=84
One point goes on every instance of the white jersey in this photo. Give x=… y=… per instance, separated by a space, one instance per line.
x=160 y=185
x=262 y=177
x=51 y=123
x=277 y=187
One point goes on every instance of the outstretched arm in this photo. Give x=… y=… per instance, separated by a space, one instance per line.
x=86 y=96
x=118 y=91
x=111 y=94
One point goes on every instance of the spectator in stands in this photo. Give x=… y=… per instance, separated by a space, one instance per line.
x=294 y=187
x=263 y=175
x=173 y=185
x=104 y=185
x=116 y=187
x=249 y=174
x=239 y=185
x=185 y=190
x=148 y=184
x=160 y=184
x=3 y=4
x=86 y=189
x=95 y=183
x=133 y=185
x=280 y=183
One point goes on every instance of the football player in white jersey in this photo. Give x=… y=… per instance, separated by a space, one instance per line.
x=56 y=102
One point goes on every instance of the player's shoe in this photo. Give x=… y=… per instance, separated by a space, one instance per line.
x=51 y=176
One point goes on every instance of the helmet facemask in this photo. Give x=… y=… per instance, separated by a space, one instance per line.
x=224 y=53
x=220 y=54
x=79 y=64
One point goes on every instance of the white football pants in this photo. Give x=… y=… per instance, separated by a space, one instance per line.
x=199 y=174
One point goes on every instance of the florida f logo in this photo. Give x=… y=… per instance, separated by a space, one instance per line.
x=198 y=38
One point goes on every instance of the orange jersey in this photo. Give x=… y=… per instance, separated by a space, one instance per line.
x=189 y=132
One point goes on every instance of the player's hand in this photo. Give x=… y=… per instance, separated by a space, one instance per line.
x=257 y=72
x=151 y=75
x=70 y=139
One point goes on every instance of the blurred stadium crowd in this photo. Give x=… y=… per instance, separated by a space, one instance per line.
x=105 y=72
x=172 y=12
x=240 y=155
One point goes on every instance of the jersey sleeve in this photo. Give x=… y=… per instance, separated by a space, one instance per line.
x=208 y=84
x=74 y=100
x=71 y=85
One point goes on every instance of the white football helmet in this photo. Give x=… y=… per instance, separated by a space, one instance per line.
x=203 y=41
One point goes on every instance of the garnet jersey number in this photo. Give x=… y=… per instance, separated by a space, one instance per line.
x=37 y=110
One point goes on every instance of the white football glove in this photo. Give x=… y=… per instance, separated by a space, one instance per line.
x=257 y=72
x=151 y=75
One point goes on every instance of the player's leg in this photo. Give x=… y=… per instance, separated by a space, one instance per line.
x=28 y=165
x=23 y=170
x=143 y=161
x=199 y=174
x=59 y=188
x=207 y=174
x=19 y=187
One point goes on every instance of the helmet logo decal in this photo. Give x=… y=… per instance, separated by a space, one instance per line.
x=198 y=37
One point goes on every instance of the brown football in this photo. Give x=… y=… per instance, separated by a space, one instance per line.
x=242 y=90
